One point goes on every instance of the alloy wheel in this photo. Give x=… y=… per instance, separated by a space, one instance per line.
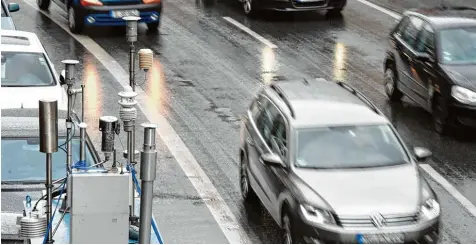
x=71 y=17
x=287 y=230
x=244 y=180
x=247 y=6
x=389 y=83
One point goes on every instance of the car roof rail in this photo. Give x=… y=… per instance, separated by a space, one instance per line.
x=359 y=95
x=280 y=93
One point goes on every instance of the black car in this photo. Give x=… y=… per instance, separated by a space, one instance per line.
x=432 y=60
x=107 y=12
x=251 y=7
x=7 y=21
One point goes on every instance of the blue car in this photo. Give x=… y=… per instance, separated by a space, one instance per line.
x=7 y=21
x=83 y=13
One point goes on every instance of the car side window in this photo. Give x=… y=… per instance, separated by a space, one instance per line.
x=410 y=33
x=257 y=106
x=279 y=140
x=401 y=26
x=264 y=122
x=426 y=41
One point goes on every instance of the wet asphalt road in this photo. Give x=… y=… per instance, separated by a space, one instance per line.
x=206 y=72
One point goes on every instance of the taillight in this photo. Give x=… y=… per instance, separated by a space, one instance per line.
x=151 y=1
x=91 y=3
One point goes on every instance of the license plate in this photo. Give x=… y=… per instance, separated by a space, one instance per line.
x=124 y=13
x=392 y=238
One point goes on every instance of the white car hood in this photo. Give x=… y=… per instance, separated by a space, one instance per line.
x=28 y=97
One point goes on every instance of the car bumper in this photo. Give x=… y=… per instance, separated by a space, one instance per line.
x=427 y=232
x=299 y=5
x=102 y=15
x=463 y=114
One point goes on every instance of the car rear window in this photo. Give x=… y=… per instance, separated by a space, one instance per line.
x=25 y=70
x=23 y=161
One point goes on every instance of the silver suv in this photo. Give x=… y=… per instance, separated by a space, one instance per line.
x=330 y=168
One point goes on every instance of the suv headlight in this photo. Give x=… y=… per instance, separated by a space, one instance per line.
x=463 y=95
x=316 y=215
x=430 y=210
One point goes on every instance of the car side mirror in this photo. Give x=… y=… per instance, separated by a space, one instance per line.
x=13 y=7
x=61 y=78
x=422 y=154
x=272 y=159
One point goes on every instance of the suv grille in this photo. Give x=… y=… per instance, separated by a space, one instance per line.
x=366 y=221
x=120 y=2
x=308 y=3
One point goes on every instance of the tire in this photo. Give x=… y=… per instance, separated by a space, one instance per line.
x=43 y=4
x=249 y=8
x=440 y=116
x=391 y=85
x=247 y=192
x=289 y=232
x=153 y=26
x=75 y=21
x=335 y=11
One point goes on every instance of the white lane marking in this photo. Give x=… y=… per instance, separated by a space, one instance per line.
x=234 y=233
x=428 y=169
x=249 y=31
x=450 y=188
x=381 y=9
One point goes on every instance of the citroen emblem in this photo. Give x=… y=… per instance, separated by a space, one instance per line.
x=378 y=220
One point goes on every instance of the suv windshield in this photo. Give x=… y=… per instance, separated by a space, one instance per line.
x=23 y=161
x=349 y=147
x=25 y=70
x=458 y=45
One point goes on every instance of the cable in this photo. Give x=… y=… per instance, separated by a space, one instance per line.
x=72 y=135
x=53 y=216
x=154 y=225
x=55 y=193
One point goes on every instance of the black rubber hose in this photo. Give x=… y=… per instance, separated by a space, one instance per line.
x=54 y=194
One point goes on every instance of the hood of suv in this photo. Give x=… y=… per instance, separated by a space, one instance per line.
x=387 y=190
x=28 y=97
x=462 y=75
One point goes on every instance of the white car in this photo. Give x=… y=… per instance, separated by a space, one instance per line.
x=27 y=72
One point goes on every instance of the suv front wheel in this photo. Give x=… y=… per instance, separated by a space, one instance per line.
x=440 y=115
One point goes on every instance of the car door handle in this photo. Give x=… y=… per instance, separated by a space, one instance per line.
x=250 y=142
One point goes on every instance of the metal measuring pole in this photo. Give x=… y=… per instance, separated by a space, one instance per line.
x=128 y=115
x=148 y=161
x=131 y=34
x=82 y=145
x=69 y=80
x=48 y=119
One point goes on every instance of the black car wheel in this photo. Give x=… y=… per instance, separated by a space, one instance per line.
x=391 y=85
x=43 y=4
x=249 y=195
x=75 y=22
x=440 y=118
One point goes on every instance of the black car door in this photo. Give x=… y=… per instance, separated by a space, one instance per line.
x=405 y=49
x=425 y=68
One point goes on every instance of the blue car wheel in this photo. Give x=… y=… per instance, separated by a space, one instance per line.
x=75 y=21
